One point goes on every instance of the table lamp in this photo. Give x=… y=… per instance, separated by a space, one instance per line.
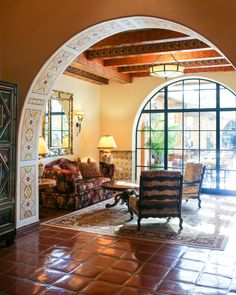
x=107 y=143
x=42 y=151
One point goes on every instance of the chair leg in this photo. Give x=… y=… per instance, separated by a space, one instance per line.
x=180 y=223
x=199 y=202
x=131 y=214
x=139 y=223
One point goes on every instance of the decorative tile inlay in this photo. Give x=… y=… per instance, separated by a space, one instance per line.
x=1 y=116
x=52 y=71
x=30 y=125
x=91 y=36
x=36 y=101
x=27 y=202
x=123 y=165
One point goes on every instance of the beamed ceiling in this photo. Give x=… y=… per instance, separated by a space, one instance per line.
x=124 y=56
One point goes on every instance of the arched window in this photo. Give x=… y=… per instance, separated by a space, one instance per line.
x=190 y=120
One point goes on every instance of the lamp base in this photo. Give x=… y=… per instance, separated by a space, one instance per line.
x=107 y=158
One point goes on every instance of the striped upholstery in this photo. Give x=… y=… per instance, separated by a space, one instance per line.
x=160 y=195
x=193 y=177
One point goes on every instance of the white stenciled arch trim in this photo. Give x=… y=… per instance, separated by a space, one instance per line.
x=34 y=106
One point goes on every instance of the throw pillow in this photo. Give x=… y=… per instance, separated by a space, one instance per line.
x=89 y=170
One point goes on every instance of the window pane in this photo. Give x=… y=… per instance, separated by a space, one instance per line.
x=191 y=94
x=157 y=102
x=191 y=156
x=208 y=140
x=227 y=160
x=56 y=138
x=207 y=94
x=227 y=98
x=56 y=106
x=144 y=122
x=175 y=121
x=191 y=121
x=175 y=100
x=208 y=158
x=228 y=121
x=175 y=139
x=208 y=121
x=157 y=121
x=175 y=158
x=143 y=139
x=191 y=139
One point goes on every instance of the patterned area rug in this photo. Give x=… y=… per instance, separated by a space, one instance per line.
x=208 y=227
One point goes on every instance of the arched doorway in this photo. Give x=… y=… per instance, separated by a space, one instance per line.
x=191 y=119
x=40 y=90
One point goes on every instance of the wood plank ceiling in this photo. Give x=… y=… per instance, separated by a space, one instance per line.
x=124 y=56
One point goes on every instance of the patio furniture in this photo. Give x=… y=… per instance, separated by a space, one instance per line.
x=160 y=195
x=193 y=177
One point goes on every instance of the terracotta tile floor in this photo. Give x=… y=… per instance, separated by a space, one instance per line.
x=59 y=261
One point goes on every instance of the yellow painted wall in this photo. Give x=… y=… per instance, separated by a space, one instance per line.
x=86 y=98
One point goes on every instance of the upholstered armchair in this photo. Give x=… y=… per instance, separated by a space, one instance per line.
x=193 y=177
x=160 y=195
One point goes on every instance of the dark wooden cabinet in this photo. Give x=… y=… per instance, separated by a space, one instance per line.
x=8 y=101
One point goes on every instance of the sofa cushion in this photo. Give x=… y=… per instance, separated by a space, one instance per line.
x=89 y=169
x=90 y=184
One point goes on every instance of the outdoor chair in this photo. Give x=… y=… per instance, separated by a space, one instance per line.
x=160 y=195
x=193 y=177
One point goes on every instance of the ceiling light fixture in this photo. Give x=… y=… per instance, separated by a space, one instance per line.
x=166 y=70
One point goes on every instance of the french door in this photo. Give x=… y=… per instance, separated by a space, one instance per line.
x=190 y=120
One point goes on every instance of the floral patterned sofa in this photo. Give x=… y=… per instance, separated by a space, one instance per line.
x=79 y=184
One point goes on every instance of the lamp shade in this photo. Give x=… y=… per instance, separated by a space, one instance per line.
x=43 y=149
x=106 y=142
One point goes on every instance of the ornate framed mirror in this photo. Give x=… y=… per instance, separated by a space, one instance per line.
x=57 y=126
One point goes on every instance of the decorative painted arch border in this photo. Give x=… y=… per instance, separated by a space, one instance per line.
x=27 y=158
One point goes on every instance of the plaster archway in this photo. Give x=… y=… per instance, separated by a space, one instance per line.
x=41 y=87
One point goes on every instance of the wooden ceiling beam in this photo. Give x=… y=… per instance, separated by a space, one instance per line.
x=151 y=58
x=188 y=64
x=80 y=74
x=96 y=67
x=138 y=37
x=135 y=50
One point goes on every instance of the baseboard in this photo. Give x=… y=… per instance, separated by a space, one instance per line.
x=24 y=230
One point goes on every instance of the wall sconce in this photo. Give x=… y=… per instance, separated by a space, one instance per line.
x=80 y=116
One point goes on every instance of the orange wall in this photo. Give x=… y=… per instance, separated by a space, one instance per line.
x=31 y=33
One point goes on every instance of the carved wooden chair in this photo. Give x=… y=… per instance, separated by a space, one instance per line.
x=193 y=178
x=160 y=195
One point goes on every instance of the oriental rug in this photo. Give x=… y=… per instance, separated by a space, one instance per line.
x=208 y=227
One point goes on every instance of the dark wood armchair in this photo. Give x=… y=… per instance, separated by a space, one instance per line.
x=160 y=195
x=193 y=178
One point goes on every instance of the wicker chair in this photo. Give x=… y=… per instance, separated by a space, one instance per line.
x=193 y=177
x=160 y=195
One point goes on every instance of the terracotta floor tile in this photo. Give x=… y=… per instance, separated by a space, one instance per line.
x=165 y=261
x=182 y=275
x=172 y=287
x=220 y=270
x=64 y=265
x=190 y=265
x=90 y=271
x=6 y=265
x=72 y=282
x=56 y=291
x=114 y=276
x=47 y=276
x=51 y=241
x=101 y=260
x=40 y=261
x=214 y=281
x=148 y=248
x=208 y=291
x=133 y=291
x=172 y=251
x=56 y=252
x=104 y=241
x=137 y=255
x=126 y=245
x=37 y=248
x=5 y=252
x=26 y=287
x=143 y=282
x=196 y=255
x=153 y=270
x=19 y=256
x=100 y=288
x=94 y=248
x=126 y=265
x=114 y=252
x=79 y=255
x=22 y=270
x=66 y=235
x=6 y=282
